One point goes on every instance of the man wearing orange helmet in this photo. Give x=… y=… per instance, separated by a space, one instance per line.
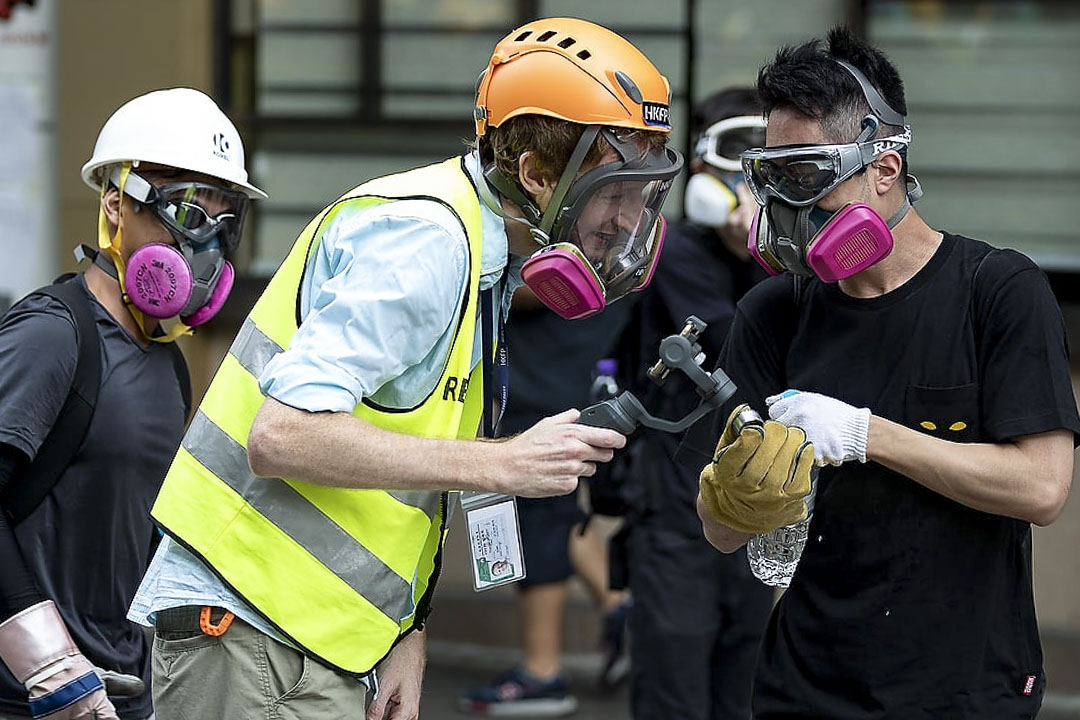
x=306 y=508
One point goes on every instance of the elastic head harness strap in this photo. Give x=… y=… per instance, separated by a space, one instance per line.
x=873 y=98
x=886 y=114
x=540 y=224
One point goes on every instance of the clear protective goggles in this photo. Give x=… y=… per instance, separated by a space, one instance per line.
x=801 y=175
x=611 y=214
x=194 y=212
x=722 y=144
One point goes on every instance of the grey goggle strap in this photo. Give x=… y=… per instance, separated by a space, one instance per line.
x=885 y=112
x=873 y=97
x=135 y=187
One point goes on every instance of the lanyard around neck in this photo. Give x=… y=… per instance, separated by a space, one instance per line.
x=495 y=359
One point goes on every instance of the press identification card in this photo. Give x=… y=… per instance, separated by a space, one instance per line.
x=494 y=539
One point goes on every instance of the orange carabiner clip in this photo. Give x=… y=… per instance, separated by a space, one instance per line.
x=209 y=628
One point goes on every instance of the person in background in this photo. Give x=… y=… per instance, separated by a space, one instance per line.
x=306 y=509
x=698 y=616
x=80 y=465
x=927 y=373
x=554 y=361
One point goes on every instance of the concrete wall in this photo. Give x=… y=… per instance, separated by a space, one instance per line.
x=109 y=52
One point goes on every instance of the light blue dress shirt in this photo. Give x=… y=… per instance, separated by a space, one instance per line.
x=378 y=306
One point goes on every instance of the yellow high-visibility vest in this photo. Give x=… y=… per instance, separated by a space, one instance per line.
x=341 y=573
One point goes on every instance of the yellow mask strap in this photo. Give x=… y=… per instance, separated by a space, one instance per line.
x=174 y=332
x=111 y=245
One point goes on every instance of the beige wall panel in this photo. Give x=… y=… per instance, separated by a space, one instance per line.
x=110 y=51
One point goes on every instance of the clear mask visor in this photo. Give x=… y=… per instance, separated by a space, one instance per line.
x=616 y=231
x=611 y=213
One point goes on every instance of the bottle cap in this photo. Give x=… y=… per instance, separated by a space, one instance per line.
x=607 y=366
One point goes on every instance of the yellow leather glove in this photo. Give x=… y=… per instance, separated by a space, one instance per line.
x=758 y=479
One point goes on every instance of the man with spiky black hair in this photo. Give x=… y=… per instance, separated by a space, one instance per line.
x=926 y=374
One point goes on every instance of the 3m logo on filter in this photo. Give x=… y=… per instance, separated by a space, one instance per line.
x=655 y=114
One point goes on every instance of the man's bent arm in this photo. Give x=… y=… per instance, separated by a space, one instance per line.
x=341 y=450
x=1027 y=478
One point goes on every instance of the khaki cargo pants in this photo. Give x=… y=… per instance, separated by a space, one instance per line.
x=240 y=674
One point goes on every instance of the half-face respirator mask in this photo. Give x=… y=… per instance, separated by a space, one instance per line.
x=601 y=232
x=789 y=233
x=193 y=278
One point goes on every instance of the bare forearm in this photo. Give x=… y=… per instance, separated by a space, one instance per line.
x=1027 y=479
x=340 y=450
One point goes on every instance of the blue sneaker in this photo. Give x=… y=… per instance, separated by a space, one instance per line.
x=517 y=693
x=615 y=645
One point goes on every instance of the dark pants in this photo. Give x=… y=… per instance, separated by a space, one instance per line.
x=695 y=627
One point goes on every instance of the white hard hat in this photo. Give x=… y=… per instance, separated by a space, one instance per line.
x=182 y=128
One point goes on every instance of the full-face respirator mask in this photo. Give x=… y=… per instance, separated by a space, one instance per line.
x=790 y=233
x=602 y=232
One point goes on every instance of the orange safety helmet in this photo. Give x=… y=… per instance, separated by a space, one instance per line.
x=573 y=70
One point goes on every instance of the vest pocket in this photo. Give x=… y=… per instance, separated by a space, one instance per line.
x=949 y=413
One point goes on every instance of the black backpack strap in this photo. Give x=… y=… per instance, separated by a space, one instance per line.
x=183 y=378
x=66 y=436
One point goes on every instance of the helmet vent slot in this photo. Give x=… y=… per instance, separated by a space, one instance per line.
x=546 y=36
x=584 y=54
x=566 y=42
x=523 y=35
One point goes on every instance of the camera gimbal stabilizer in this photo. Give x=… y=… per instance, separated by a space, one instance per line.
x=677 y=352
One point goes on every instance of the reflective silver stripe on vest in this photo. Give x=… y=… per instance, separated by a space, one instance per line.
x=253 y=349
x=302 y=521
x=425 y=500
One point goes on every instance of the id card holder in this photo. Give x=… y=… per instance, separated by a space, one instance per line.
x=494 y=539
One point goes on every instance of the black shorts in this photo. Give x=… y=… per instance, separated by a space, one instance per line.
x=546 y=524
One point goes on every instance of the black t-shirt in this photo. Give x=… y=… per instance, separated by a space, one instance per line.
x=696 y=276
x=907 y=604
x=89 y=542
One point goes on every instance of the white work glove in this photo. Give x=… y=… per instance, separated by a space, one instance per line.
x=838 y=431
x=61 y=683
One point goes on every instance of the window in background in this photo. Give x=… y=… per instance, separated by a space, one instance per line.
x=345 y=90
x=993 y=100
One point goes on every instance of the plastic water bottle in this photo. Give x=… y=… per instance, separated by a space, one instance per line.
x=774 y=555
x=604 y=385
